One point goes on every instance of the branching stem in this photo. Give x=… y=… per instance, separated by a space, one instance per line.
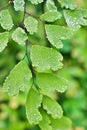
x=36 y=17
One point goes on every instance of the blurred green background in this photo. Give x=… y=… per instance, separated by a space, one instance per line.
x=73 y=101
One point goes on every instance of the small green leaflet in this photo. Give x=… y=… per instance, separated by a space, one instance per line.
x=3 y=40
x=76 y=18
x=18 y=79
x=56 y=33
x=19 y=5
x=31 y=24
x=19 y=36
x=48 y=83
x=52 y=107
x=45 y=123
x=51 y=16
x=71 y=4
x=44 y=58
x=63 y=123
x=49 y=123
x=36 y=1
x=50 y=6
x=6 y=20
x=34 y=100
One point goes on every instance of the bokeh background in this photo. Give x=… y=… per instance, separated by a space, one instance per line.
x=74 y=51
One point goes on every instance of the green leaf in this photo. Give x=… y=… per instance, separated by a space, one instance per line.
x=51 y=16
x=63 y=123
x=50 y=6
x=31 y=24
x=52 y=107
x=45 y=123
x=19 y=36
x=33 y=103
x=71 y=4
x=18 y=79
x=56 y=33
x=19 y=5
x=48 y=83
x=76 y=18
x=44 y=58
x=6 y=20
x=3 y=40
x=36 y=1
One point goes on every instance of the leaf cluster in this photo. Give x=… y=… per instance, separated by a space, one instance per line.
x=38 y=73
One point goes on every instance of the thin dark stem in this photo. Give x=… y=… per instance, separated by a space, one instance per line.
x=22 y=22
x=24 y=12
x=27 y=48
x=36 y=17
x=26 y=45
x=42 y=6
x=30 y=64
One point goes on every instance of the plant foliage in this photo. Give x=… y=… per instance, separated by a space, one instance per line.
x=38 y=72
